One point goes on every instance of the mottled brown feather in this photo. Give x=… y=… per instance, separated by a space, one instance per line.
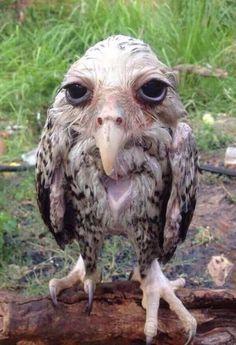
x=160 y=157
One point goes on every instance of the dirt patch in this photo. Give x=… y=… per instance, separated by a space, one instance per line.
x=211 y=233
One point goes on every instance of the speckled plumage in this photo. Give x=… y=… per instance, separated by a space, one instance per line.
x=158 y=161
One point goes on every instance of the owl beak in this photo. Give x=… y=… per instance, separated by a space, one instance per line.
x=109 y=138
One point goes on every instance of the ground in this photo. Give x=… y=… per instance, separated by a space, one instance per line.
x=211 y=233
x=30 y=257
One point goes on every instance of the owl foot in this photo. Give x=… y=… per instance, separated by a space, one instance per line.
x=155 y=286
x=75 y=276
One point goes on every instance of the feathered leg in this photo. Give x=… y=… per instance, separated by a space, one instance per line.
x=155 y=286
x=90 y=246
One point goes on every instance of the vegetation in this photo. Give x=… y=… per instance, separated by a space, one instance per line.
x=40 y=41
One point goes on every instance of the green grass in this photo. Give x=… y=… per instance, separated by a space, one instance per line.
x=35 y=54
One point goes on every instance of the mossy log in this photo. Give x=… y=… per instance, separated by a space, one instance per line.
x=117 y=318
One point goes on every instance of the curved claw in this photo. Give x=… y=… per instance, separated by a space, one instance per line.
x=90 y=292
x=135 y=275
x=191 y=335
x=53 y=295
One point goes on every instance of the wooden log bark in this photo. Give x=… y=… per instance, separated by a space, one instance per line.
x=117 y=318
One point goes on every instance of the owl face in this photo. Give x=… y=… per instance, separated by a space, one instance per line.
x=116 y=92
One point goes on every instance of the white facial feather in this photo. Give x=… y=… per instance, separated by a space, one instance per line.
x=116 y=61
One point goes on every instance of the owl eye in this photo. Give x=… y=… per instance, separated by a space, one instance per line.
x=153 y=91
x=77 y=94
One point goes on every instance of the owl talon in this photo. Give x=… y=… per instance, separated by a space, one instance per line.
x=54 y=297
x=192 y=332
x=53 y=293
x=89 y=287
x=135 y=275
x=90 y=300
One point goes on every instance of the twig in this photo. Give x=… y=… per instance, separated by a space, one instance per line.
x=201 y=70
x=231 y=197
x=15 y=168
x=217 y=170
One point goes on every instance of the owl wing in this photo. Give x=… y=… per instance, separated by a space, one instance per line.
x=182 y=200
x=53 y=191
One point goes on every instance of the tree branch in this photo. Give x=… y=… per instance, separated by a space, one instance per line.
x=117 y=318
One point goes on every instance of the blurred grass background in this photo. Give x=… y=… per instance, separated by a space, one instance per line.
x=38 y=42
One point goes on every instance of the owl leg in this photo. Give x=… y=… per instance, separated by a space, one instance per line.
x=155 y=286
x=90 y=249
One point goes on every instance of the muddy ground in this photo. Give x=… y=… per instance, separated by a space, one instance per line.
x=212 y=233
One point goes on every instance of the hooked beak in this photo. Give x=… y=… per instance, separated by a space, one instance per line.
x=109 y=137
